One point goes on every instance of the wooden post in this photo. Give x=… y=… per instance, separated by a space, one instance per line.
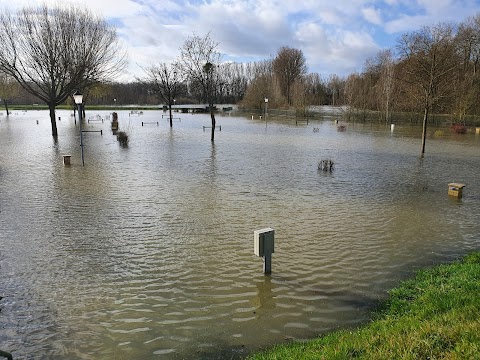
x=267 y=252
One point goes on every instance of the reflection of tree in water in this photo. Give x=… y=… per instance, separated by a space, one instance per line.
x=212 y=164
x=264 y=300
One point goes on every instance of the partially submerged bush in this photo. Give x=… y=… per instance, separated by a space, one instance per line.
x=459 y=128
x=325 y=165
x=122 y=138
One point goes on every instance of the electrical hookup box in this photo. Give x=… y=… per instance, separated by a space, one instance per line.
x=456 y=190
x=263 y=241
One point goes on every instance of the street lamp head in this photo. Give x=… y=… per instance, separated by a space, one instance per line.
x=78 y=97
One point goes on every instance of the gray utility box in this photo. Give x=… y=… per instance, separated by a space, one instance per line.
x=263 y=241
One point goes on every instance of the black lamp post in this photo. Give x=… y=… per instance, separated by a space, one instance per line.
x=266 y=111
x=78 y=97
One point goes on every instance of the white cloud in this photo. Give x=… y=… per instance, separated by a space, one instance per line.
x=372 y=15
x=112 y=8
x=339 y=51
x=412 y=15
x=108 y=8
x=335 y=37
x=406 y=23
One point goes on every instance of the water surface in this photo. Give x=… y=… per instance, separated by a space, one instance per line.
x=147 y=251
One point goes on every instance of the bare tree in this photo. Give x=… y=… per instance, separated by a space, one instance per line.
x=300 y=96
x=259 y=89
x=289 y=66
x=316 y=89
x=260 y=85
x=233 y=82
x=52 y=52
x=9 y=88
x=367 y=85
x=353 y=94
x=259 y=68
x=165 y=82
x=199 y=61
x=334 y=87
x=467 y=81
x=385 y=84
x=429 y=59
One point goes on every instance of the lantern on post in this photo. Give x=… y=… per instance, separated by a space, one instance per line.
x=78 y=98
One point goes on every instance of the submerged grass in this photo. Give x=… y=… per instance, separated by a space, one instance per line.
x=436 y=315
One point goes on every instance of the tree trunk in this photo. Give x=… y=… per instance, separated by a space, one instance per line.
x=6 y=106
x=51 y=107
x=424 y=131
x=170 y=111
x=387 y=117
x=212 y=116
x=289 y=101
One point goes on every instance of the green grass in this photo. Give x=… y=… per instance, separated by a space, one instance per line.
x=436 y=315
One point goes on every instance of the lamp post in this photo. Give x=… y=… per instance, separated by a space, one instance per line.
x=78 y=97
x=266 y=108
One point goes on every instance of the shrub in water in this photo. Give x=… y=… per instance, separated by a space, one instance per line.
x=122 y=138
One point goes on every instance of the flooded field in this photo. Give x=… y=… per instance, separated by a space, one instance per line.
x=146 y=252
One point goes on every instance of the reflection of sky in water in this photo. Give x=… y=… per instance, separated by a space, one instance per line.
x=147 y=251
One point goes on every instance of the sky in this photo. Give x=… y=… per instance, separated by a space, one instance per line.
x=335 y=36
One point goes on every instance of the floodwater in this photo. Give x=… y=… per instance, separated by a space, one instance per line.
x=146 y=252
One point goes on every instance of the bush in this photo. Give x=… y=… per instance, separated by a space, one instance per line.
x=122 y=138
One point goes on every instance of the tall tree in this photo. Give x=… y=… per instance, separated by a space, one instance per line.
x=467 y=81
x=384 y=64
x=289 y=66
x=52 y=52
x=354 y=94
x=429 y=57
x=261 y=85
x=233 y=81
x=164 y=80
x=259 y=89
x=199 y=61
x=334 y=87
x=368 y=88
x=316 y=89
x=300 y=96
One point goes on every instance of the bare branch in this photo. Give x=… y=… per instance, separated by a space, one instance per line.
x=52 y=52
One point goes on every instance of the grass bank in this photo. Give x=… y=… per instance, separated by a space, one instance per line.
x=436 y=315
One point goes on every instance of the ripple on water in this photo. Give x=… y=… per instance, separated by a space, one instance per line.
x=146 y=252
